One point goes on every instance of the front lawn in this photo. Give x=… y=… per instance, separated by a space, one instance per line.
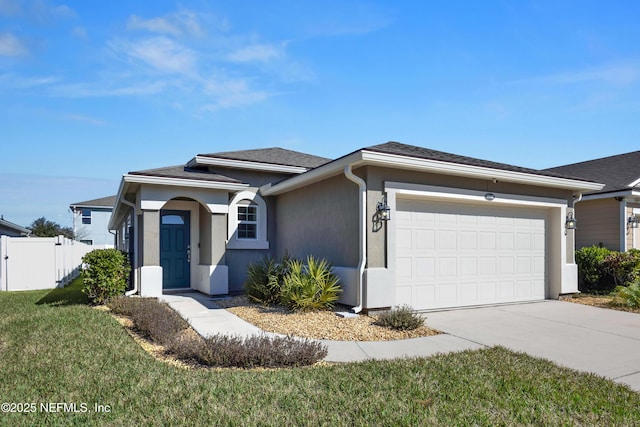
x=60 y=355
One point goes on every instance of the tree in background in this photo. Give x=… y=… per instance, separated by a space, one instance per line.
x=42 y=227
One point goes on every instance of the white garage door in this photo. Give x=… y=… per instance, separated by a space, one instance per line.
x=454 y=255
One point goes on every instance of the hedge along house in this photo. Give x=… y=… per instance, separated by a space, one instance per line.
x=400 y=224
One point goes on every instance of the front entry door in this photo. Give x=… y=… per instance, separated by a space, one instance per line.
x=175 y=249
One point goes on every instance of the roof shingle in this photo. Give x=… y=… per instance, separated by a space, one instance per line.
x=616 y=172
x=183 y=172
x=426 y=153
x=276 y=156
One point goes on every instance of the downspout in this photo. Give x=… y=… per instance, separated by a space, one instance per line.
x=362 y=234
x=135 y=246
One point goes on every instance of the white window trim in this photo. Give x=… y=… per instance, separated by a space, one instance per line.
x=260 y=242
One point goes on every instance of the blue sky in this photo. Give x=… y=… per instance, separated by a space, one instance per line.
x=91 y=90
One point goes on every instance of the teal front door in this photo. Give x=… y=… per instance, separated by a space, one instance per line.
x=175 y=249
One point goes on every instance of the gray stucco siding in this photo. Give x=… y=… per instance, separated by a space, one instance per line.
x=238 y=261
x=320 y=219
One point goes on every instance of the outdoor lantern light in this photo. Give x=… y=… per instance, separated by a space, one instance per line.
x=632 y=222
x=570 y=223
x=489 y=197
x=384 y=212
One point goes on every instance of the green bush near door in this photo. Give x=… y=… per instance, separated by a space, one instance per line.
x=105 y=274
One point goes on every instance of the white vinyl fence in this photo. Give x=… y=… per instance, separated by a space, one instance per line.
x=28 y=263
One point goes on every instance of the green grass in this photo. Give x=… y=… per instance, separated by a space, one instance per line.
x=53 y=348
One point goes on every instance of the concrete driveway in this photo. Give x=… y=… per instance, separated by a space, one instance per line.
x=598 y=340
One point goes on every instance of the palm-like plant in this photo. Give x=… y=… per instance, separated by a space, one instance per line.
x=310 y=287
x=628 y=295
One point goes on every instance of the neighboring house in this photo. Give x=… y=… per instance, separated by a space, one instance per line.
x=91 y=221
x=400 y=224
x=609 y=216
x=13 y=230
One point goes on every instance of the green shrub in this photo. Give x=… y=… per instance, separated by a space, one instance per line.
x=623 y=267
x=105 y=274
x=254 y=351
x=591 y=275
x=628 y=296
x=265 y=280
x=402 y=318
x=310 y=287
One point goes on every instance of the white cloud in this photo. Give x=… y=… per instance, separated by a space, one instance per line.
x=11 y=81
x=175 y=24
x=84 y=119
x=620 y=74
x=79 y=32
x=256 y=53
x=92 y=90
x=162 y=54
x=10 y=45
x=229 y=93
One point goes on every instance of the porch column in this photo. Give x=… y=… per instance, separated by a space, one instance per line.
x=150 y=271
x=213 y=272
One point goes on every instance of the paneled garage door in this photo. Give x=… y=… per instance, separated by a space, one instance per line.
x=454 y=255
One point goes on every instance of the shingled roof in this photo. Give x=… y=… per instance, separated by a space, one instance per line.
x=616 y=172
x=275 y=155
x=183 y=172
x=426 y=153
x=101 y=202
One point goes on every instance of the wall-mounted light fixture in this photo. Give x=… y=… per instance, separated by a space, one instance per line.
x=570 y=222
x=489 y=196
x=383 y=210
x=632 y=222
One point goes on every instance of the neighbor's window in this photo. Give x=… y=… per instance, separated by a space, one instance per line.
x=247 y=220
x=86 y=216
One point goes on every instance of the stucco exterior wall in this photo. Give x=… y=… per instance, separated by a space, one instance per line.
x=320 y=220
x=598 y=223
x=253 y=178
x=237 y=262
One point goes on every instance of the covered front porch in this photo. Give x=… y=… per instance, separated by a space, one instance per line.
x=175 y=236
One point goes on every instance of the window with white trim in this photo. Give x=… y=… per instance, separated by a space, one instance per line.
x=86 y=216
x=247 y=220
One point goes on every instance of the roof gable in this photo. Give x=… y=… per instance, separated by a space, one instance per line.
x=616 y=172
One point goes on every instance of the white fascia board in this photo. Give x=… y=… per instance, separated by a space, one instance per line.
x=179 y=182
x=244 y=164
x=441 y=167
x=623 y=193
x=327 y=170
x=117 y=204
x=634 y=183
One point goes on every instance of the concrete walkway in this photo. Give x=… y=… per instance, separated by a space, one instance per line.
x=591 y=339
